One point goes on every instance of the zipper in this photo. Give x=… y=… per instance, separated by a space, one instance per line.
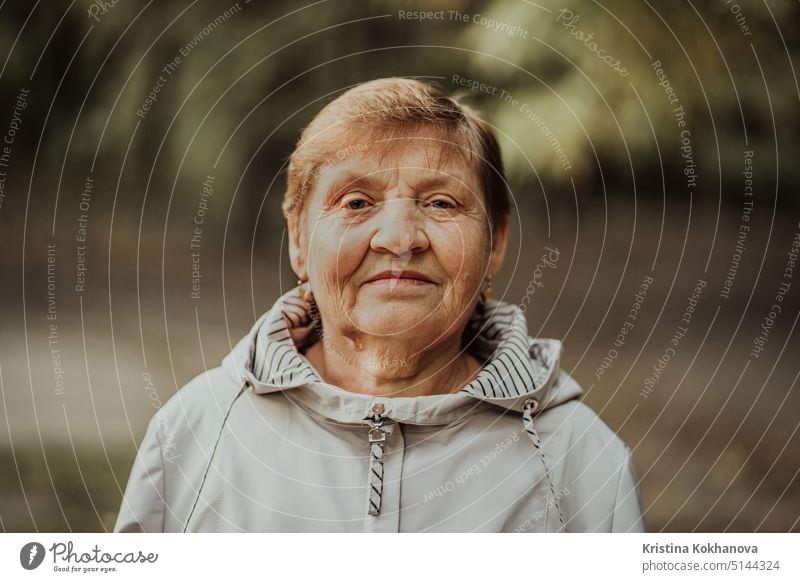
x=380 y=428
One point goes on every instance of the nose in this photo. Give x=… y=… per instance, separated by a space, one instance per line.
x=400 y=229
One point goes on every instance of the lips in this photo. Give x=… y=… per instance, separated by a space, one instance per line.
x=400 y=276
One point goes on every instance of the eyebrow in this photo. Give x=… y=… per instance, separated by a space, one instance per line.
x=441 y=181
x=355 y=180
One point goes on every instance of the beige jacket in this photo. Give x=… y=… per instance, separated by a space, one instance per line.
x=261 y=443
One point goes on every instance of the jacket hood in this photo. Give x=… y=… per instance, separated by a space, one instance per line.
x=517 y=372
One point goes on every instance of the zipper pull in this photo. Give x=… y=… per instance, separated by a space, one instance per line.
x=380 y=429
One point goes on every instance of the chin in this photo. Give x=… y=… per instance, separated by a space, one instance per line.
x=396 y=319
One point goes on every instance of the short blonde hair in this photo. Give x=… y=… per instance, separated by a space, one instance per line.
x=396 y=106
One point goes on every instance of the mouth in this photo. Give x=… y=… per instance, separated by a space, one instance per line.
x=400 y=278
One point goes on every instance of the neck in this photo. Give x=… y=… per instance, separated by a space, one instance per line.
x=391 y=368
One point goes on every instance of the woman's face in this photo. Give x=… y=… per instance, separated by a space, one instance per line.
x=397 y=244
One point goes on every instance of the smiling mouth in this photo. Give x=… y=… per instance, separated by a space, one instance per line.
x=405 y=278
x=400 y=281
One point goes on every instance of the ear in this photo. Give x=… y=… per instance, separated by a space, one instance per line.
x=499 y=246
x=297 y=246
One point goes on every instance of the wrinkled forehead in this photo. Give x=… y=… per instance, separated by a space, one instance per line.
x=420 y=151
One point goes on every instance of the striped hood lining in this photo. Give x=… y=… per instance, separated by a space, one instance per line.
x=513 y=366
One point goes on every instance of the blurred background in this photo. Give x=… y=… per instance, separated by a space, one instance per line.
x=654 y=145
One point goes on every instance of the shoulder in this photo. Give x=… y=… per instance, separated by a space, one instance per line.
x=206 y=394
x=174 y=453
x=596 y=469
x=583 y=442
x=581 y=427
x=198 y=408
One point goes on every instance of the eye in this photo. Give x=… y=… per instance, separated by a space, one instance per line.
x=355 y=202
x=442 y=204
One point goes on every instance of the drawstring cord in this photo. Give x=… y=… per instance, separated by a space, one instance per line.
x=381 y=428
x=529 y=407
x=379 y=431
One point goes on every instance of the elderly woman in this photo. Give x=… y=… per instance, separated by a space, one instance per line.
x=388 y=391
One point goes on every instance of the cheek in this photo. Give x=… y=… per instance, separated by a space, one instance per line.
x=461 y=250
x=336 y=251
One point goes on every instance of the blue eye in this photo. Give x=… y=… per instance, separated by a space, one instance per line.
x=441 y=204
x=356 y=204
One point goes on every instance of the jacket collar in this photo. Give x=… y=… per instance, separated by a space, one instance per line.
x=515 y=367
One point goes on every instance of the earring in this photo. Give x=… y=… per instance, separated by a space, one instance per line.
x=486 y=294
x=305 y=291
